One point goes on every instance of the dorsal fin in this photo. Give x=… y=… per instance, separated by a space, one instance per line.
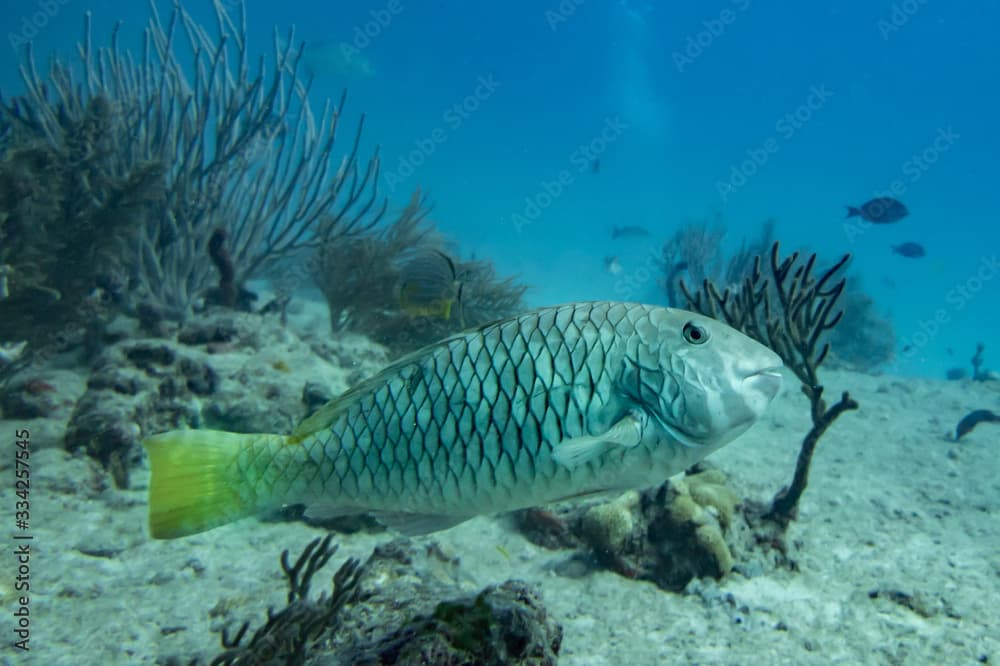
x=325 y=416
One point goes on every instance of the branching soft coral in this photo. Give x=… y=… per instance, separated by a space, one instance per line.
x=360 y=278
x=215 y=141
x=68 y=216
x=789 y=310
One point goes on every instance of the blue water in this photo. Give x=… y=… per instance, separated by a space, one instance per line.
x=741 y=108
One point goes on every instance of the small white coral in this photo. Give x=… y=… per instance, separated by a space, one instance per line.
x=706 y=502
x=609 y=525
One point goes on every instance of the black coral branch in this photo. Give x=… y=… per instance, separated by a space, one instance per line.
x=790 y=310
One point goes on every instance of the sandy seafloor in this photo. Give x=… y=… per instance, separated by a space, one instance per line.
x=891 y=506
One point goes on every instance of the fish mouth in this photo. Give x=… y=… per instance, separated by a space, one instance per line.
x=767 y=380
x=771 y=371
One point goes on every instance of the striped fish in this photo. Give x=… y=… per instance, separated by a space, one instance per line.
x=555 y=403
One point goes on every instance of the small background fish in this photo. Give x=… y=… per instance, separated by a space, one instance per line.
x=973 y=419
x=881 y=210
x=629 y=231
x=910 y=250
x=429 y=286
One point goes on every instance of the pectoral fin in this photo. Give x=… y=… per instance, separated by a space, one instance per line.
x=576 y=451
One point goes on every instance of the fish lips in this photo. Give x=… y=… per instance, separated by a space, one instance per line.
x=767 y=381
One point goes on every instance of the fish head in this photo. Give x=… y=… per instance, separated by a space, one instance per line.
x=702 y=381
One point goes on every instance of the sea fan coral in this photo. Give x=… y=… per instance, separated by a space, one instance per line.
x=360 y=278
x=131 y=162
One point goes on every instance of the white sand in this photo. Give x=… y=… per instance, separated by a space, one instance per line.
x=891 y=507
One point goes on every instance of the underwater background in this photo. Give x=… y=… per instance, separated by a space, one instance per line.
x=529 y=154
x=740 y=110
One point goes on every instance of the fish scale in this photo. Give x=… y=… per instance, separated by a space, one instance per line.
x=507 y=439
x=554 y=403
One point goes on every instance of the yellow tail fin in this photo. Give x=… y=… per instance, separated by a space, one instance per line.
x=196 y=484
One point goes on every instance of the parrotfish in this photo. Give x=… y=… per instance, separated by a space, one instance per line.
x=559 y=402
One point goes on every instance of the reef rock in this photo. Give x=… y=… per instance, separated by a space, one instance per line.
x=669 y=535
x=39 y=400
x=239 y=372
x=412 y=610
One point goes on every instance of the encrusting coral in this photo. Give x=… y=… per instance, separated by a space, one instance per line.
x=608 y=526
x=669 y=535
x=699 y=510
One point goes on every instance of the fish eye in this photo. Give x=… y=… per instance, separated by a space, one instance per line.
x=695 y=334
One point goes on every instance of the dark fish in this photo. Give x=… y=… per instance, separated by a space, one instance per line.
x=595 y=165
x=882 y=210
x=955 y=374
x=630 y=231
x=911 y=250
x=973 y=419
x=429 y=285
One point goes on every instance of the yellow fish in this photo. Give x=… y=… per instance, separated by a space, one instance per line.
x=430 y=287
